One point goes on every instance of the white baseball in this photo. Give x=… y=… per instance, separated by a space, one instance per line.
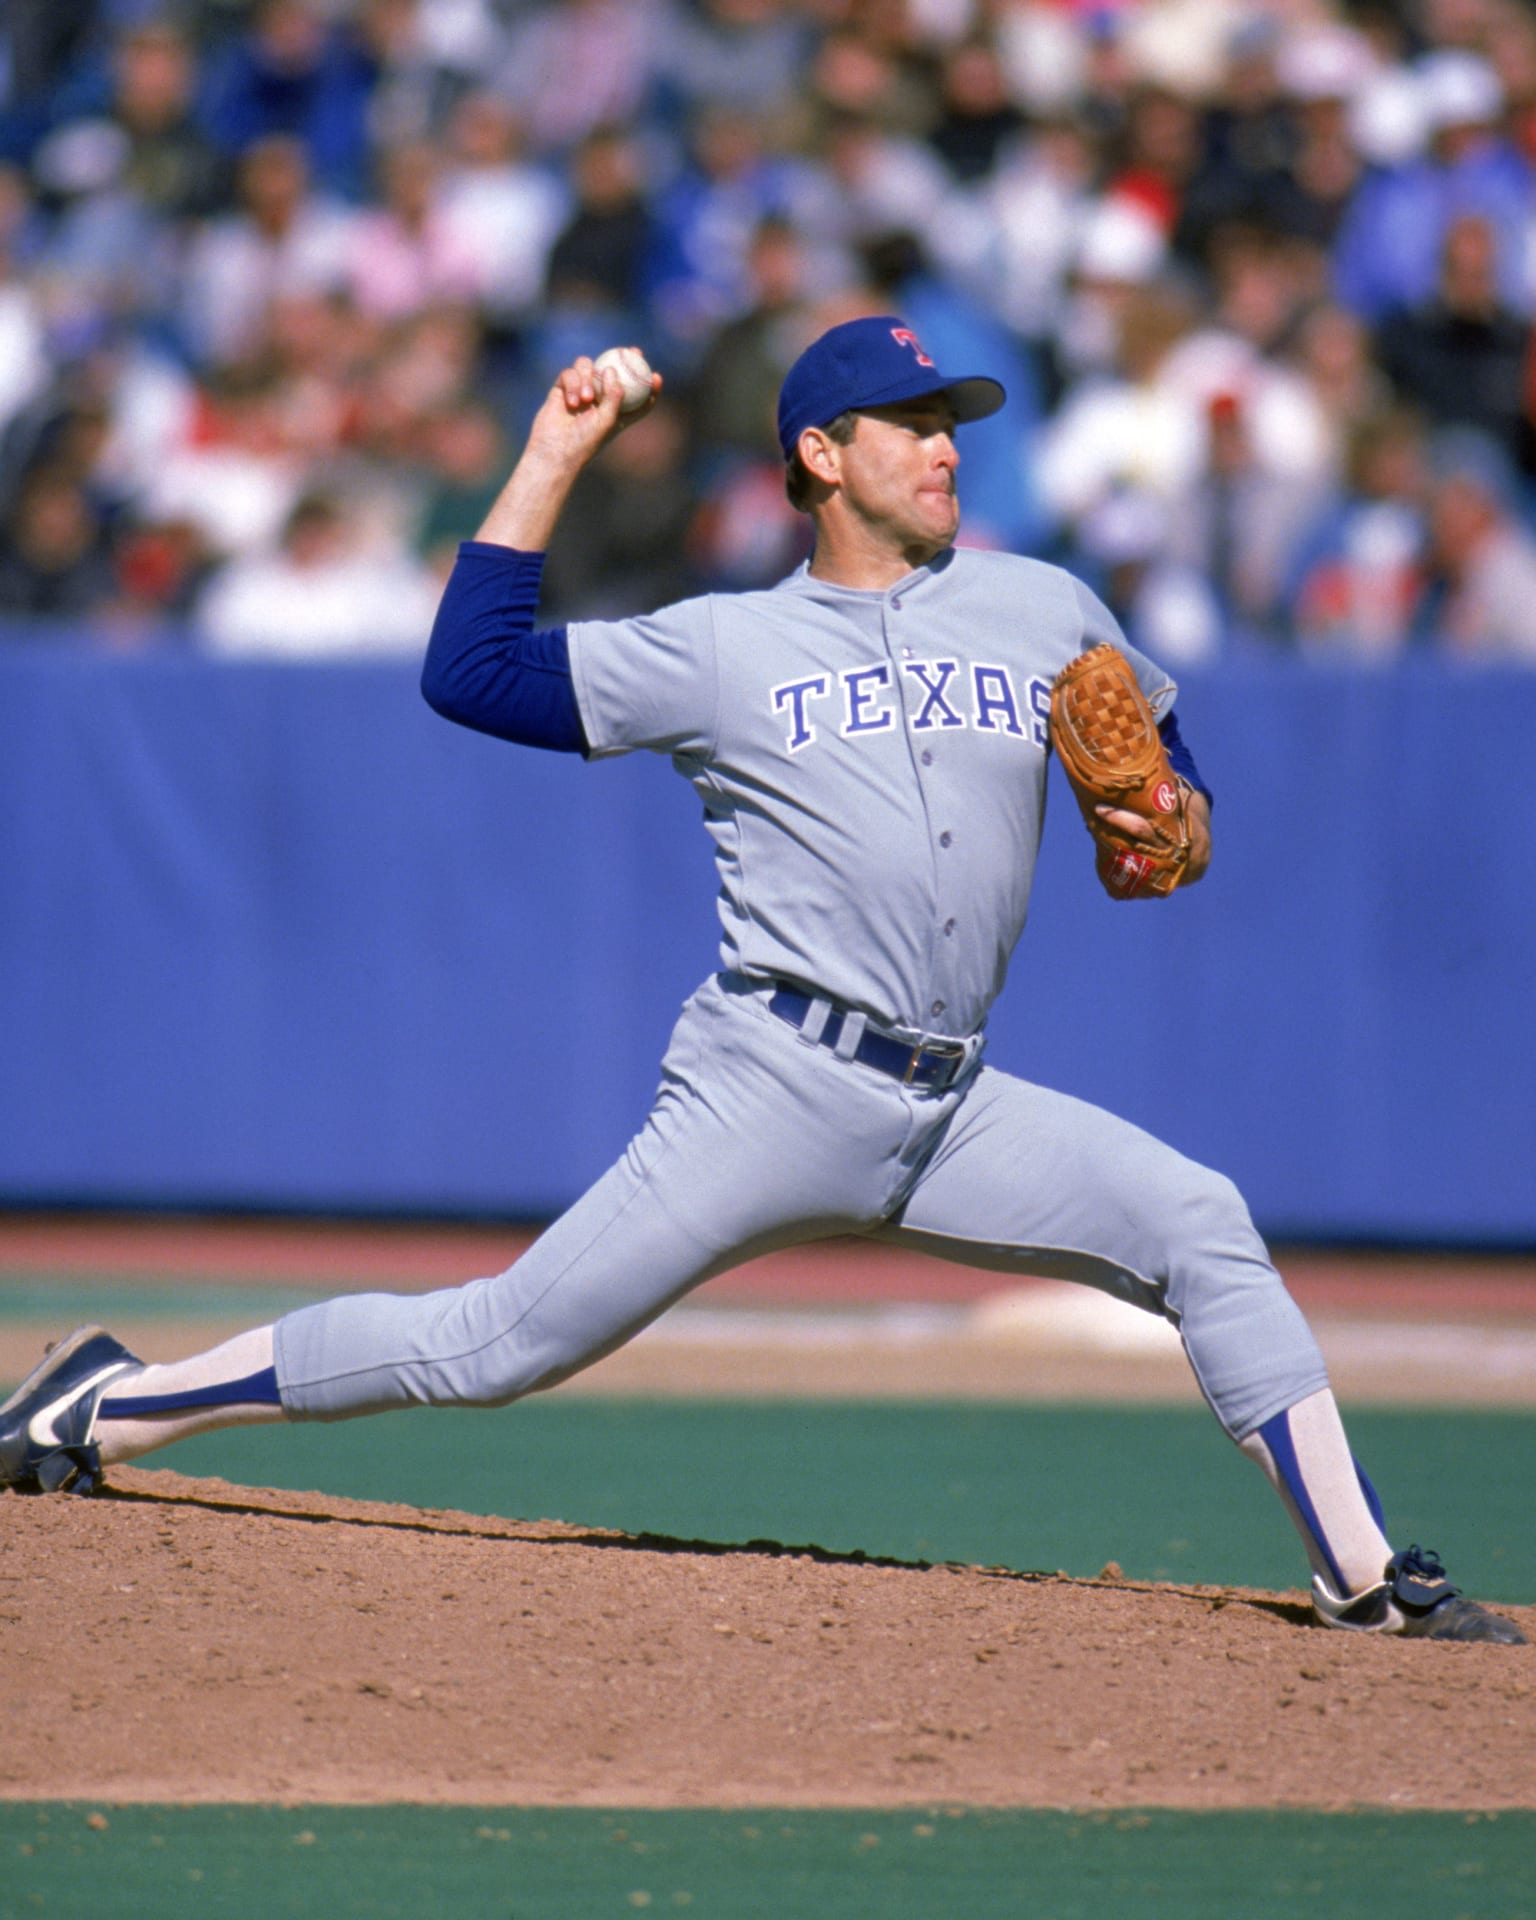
x=634 y=372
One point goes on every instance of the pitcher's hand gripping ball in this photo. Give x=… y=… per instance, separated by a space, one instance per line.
x=1106 y=735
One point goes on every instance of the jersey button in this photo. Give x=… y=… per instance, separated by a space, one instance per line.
x=927 y=757
x=937 y=1008
x=896 y=606
x=949 y=927
x=946 y=838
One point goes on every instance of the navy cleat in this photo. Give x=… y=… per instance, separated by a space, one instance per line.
x=1416 y=1601
x=47 y=1427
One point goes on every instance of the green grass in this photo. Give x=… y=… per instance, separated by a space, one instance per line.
x=339 y=1863
x=104 y=1297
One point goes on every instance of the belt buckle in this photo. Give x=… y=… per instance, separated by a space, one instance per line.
x=950 y=1054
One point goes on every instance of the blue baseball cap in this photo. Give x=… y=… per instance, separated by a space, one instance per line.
x=872 y=363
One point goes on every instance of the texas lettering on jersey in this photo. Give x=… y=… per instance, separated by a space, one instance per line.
x=862 y=700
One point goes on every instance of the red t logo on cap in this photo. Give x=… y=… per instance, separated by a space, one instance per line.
x=905 y=337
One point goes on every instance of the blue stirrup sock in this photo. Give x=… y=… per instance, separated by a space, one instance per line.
x=1332 y=1504
x=255 y=1390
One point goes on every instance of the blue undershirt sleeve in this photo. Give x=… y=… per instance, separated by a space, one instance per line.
x=486 y=668
x=1180 y=758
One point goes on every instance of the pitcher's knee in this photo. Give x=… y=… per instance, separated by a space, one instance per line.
x=1201 y=1208
x=1211 y=1239
x=1220 y=1212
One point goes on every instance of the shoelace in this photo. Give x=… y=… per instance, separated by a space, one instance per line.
x=1423 y=1562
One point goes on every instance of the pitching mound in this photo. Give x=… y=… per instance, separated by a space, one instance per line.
x=185 y=1640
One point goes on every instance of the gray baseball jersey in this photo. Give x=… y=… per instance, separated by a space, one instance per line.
x=872 y=767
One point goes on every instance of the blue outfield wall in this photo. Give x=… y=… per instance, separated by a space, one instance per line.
x=275 y=936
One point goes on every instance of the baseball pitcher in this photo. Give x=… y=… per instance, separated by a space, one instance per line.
x=869 y=740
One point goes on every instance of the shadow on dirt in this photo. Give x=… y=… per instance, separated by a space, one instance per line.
x=327 y=1510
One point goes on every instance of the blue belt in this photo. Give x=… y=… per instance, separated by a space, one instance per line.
x=932 y=1066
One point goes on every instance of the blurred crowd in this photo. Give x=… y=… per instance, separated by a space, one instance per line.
x=282 y=283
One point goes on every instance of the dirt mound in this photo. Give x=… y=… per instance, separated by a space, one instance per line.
x=190 y=1640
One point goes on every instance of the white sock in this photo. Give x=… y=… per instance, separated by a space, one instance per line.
x=127 y=1435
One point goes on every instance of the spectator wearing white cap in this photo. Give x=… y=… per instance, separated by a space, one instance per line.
x=1390 y=246
x=1120 y=252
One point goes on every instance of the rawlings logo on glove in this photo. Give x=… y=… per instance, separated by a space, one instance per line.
x=1106 y=735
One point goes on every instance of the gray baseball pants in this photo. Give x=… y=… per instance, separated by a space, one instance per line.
x=759 y=1139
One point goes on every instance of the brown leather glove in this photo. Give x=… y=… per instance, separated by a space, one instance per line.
x=1106 y=735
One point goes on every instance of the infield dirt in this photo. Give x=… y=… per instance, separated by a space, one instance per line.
x=188 y=1640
